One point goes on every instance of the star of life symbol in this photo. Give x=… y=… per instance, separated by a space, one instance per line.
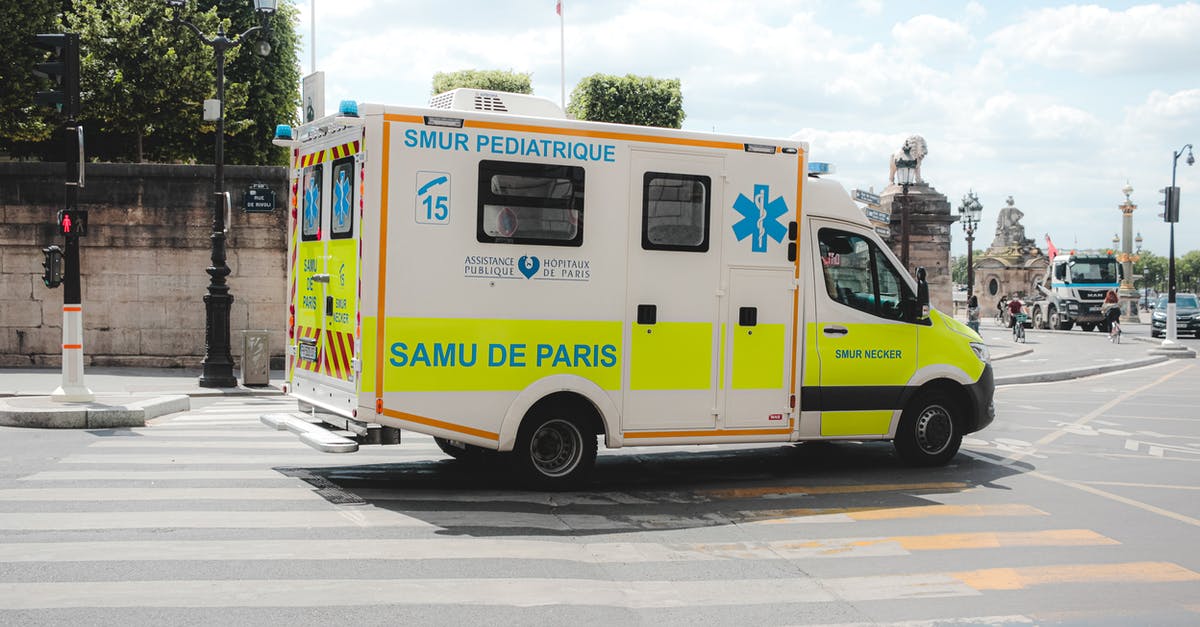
x=760 y=218
x=341 y=202
x=311 y=208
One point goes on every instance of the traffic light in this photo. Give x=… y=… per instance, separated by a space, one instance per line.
x=52 y=273
x=1170 y=203
x=62 y=68
x=72 y=222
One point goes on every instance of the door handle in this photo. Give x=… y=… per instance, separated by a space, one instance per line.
x=835 y=330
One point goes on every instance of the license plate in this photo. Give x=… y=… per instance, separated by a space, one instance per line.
x=308 y=352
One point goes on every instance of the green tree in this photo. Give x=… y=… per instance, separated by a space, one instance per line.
x=629 y=99
x=1153 y=270
x=493 y=80
x=958 y=270
x=269 y=85
x=1187 y=272
x=21 y=121
x=143 y=80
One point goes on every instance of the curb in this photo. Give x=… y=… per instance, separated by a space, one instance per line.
x=103 y=413
x=1064 y=375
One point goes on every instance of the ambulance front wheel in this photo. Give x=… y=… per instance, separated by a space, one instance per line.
x=930 y=430
x=554 y=452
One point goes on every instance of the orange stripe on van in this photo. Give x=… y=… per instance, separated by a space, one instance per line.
x=380 y=300
x=448 y=426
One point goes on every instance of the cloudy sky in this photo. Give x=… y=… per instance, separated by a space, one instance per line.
x=1053 y=103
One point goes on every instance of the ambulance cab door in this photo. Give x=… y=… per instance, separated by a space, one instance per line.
x=311 y=274
x=866 y=343
x=672 y=304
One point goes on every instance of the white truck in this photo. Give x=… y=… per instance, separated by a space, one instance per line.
x=507 y=280
x=1072 y=290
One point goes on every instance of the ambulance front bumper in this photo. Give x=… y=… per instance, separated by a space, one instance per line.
x=983 y=407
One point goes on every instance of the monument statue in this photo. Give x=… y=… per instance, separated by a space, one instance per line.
x=909 y=156
x=1010 y=233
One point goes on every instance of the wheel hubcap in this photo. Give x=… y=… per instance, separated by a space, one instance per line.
x=935 y=429
x=556 y=448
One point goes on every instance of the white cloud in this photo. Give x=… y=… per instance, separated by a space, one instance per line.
x=1097 y=40
x=931 y=36
x=870 y=7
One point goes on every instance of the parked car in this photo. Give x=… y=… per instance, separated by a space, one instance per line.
x=1187 y=315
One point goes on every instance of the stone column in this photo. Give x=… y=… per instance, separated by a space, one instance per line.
x=929 y=237
x=1127 y=292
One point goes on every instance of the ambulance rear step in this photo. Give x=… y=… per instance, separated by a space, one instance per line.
x=332 y=434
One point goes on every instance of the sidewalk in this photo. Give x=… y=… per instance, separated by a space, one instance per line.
x=124 y=397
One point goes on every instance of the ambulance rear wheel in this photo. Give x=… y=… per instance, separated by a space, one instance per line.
x=554 y=452
x=929 y=433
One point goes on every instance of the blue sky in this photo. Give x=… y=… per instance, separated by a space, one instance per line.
x=1056 y=104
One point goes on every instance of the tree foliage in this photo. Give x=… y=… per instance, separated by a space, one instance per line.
x=629 y=99
x=22 y=122
x=144 y=79
x=492 y=80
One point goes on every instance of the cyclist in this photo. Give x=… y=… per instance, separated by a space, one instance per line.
x=1016 y=314
x=973 y=313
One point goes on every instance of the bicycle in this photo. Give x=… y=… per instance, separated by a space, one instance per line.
x=1019 y=327
x=1114 y=332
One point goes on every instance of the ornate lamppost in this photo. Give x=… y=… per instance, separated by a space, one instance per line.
x=218 y=362
x=1127 y=292
x=906 y=174
x=971 y=210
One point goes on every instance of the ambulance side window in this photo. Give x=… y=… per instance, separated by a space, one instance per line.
x=530 y=203
x=858 y=275
x=310 y=202
x=675 y=211
x=342 y=210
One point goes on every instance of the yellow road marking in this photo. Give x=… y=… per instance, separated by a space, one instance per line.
x=896 y=513
x=995 y=540
x=1021 y=578
x=742 y=493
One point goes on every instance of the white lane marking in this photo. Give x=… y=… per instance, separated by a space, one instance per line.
x=202 y=520
x=282 y=441
x=304 y=456
x=305 y=493
x=474 y=591
x=152 y=475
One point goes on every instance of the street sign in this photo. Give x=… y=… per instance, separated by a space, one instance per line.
x=883 y=231
x=878 y=216
x=259 y=198
x=866 y=197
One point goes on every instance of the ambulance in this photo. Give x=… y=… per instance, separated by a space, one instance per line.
x=519 y=285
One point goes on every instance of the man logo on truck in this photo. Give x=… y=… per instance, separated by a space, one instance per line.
x=760 y=218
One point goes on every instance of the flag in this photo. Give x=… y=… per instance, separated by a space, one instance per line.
x=1050 y=247
x=558 y=7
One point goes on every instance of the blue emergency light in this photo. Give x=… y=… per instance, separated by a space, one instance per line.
x=348 y=108
x=283 y=131
x=820 y=167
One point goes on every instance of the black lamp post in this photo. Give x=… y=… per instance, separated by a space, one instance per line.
x=971 y=210
x=906 y=174
x=218 y=362
x=1171 y=326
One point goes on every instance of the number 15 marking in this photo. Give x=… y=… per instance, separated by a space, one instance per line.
x=433 y=197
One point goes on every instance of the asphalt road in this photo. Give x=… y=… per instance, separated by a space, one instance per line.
x=1077 y=506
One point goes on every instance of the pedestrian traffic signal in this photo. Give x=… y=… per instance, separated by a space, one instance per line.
x=52 y=266
x=1170 y=203
x=72 y=222
x=62 y=68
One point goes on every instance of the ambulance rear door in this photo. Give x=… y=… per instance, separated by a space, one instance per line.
x=326 y=270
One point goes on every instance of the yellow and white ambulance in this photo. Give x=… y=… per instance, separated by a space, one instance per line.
x=490 y=273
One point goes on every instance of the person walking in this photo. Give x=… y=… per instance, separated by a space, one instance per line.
x=973 y=313
x=1112 y=315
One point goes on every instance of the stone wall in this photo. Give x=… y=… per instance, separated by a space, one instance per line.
x=142 y=263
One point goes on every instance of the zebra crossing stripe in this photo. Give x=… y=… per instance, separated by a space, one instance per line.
x=199 y=519
x=522 y=592
x=788 y=516
x=491 y=549
x=153 y=475
x=294 y=493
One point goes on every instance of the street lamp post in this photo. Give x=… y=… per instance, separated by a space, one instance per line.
x=971 y=210
x=906 y=174
x=1171 y=326
x=1126 y=290
x=218 y=361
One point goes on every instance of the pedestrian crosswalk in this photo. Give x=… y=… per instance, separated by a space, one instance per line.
x=209 y=510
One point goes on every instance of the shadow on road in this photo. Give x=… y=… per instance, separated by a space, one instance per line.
x=632 y=492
